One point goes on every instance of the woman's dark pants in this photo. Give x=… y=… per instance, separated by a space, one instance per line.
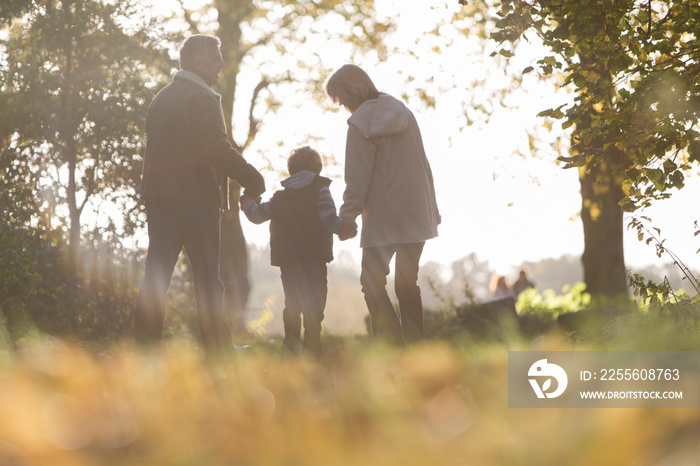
x=386 y=325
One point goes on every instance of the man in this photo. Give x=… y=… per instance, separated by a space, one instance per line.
x=522 y=283
x=186 y=151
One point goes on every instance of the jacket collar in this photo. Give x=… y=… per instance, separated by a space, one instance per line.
x=383 y=116
x=195 y=79
x=303 y=179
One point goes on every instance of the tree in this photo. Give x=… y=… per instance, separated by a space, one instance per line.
x=18 y=273
x=13 y=8
x=634 y=67
x=245 y=28
x=76 y=76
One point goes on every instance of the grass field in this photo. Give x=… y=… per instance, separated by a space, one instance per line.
x=442 y=403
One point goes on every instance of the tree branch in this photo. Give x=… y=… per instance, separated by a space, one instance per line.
x=286 y=22
x=89 y=189
x=88 y=195
x=194 y=27
x=253 y=124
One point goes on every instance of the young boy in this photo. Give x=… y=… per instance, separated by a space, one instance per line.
x=302 y=222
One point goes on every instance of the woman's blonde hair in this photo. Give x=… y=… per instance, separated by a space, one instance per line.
x=350 y=86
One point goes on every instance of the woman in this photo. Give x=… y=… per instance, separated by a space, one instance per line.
x=389 y=182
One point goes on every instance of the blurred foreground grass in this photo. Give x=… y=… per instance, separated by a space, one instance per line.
x=436 y=404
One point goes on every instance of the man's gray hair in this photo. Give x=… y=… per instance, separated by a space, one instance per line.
x=195 y=46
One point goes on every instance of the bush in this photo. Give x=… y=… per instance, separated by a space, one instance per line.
x=548 y=302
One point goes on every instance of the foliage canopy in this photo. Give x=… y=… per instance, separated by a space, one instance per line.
x=635 y=66
x=76 y=77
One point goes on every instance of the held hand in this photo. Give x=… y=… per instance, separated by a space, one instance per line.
x=243 y=199
x=348 y=231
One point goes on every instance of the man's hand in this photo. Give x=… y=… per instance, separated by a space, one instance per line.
x=348 y=231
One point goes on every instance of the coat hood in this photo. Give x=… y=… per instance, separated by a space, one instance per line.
x=302 y=180
x=383 y=116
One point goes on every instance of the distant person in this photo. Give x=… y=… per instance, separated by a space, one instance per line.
x=303 y=220
x=522 y=283
x=389 y=182
x=186 y=152
x=500 y=287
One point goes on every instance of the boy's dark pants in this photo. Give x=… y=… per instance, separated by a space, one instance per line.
x=375 y=268
x=172 y=225
x=305 y=287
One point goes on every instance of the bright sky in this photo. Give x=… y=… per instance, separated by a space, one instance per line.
x=506 y=208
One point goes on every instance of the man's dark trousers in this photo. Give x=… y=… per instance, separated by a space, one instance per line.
x=172 y=225
x=375 y=268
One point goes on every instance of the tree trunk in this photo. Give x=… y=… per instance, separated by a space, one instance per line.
x=73 y=210
x=601 y=192
x=233 y=252
x=67 y=127
x=233 y=256
x=603 y=256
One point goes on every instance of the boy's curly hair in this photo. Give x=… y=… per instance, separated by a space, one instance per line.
x=304 y=158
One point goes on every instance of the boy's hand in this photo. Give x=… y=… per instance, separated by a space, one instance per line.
x=348 y=231
x=243 y=199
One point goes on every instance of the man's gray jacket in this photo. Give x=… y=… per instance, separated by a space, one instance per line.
x=186 y=145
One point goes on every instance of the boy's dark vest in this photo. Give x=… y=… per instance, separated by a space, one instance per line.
x=296 y=232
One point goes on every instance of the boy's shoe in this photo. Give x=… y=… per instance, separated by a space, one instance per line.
x=312 y=347
x=289 y=349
